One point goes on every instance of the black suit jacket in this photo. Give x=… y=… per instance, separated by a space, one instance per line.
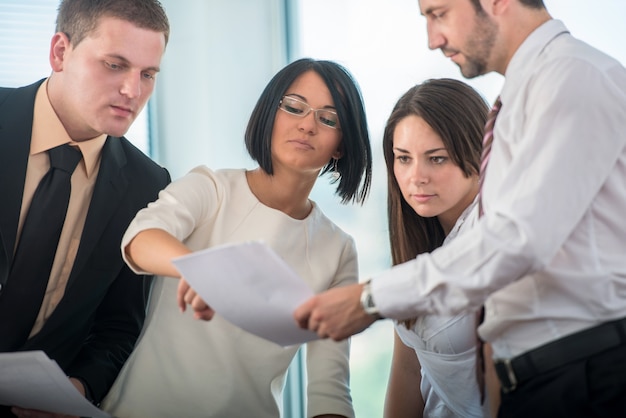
x=94 y=327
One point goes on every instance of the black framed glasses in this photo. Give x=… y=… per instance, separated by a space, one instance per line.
x=296 y=107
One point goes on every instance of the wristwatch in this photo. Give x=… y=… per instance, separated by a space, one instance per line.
x=367 y=301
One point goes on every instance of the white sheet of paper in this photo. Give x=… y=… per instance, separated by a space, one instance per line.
x=29 y=379
x=252 y=287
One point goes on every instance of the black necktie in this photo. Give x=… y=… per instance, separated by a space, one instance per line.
x=20 y=300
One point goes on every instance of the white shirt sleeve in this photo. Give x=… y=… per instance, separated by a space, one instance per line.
x=554 y=190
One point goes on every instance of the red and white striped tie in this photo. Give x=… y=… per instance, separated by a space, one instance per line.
x=484 y=159
x=487 y=141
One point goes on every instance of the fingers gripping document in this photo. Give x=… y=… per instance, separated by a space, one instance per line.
x=251 y=286
x=30 y=380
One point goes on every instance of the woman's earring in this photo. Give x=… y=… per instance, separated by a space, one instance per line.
x=335 y=173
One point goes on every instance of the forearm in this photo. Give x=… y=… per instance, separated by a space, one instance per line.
x=152 y=250
x=328 y=379
x=403 y=398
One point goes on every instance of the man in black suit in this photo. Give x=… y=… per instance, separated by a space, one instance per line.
x=88 y=310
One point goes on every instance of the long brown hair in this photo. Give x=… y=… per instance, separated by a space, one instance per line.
x=457 y=113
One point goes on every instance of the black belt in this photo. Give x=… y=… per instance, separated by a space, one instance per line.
x=577 y=346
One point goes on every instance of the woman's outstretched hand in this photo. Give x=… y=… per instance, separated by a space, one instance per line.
x=187 y=296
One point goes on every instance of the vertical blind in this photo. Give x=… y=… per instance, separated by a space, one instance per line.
x=26 y=27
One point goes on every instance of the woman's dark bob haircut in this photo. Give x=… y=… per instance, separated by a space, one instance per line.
x=355 y=166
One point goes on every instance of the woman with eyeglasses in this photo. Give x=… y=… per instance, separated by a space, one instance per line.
x=309 y=121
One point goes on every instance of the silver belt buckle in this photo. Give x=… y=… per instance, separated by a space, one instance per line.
x=511 y=381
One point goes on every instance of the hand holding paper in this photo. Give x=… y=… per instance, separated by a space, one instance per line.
x=251 y=286
x=186 y=295
x=30 y=380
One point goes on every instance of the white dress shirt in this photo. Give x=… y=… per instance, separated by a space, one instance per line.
x=549 y=256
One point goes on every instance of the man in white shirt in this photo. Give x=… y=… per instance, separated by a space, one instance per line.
x=547 y=259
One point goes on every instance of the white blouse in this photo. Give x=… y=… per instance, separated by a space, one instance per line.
x=184 y=367
x=446 y=348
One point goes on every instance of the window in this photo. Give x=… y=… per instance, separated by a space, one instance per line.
x=378 y=43
x=384 y=45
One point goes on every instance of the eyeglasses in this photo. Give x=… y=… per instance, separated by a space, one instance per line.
x=296 y=107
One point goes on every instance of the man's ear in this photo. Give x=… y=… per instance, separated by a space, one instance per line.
x=59 y=46
x=495 y=7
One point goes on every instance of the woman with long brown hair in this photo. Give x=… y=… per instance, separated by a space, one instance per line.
x=432 y=144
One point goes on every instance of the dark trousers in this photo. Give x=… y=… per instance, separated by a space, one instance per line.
x=594 y=387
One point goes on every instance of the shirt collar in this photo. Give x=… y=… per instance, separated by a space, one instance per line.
x=523 y=61
x=459 y=222
x=49 y=132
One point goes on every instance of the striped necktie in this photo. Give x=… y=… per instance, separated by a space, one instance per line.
x=487 y=141
x=484 y=159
